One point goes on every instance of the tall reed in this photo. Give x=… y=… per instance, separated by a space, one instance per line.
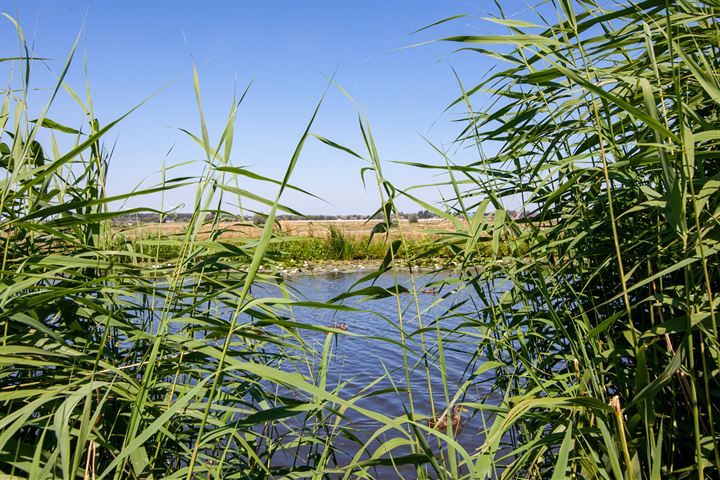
x=595 y=308
x=603 y=128
x=118 y=365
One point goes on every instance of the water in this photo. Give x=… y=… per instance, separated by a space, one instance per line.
x=371 y=351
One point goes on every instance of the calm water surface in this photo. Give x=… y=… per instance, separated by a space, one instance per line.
x=362 y=359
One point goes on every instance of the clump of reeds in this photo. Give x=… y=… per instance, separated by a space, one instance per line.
x=117 y=362
x=604 y=126
x=596 y=309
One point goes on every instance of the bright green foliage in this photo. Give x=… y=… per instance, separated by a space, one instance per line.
x=605 y=125
x=117 y=365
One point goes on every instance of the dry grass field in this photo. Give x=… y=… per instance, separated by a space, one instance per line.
x=295 y=228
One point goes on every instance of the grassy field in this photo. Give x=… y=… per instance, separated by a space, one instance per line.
x=425 y=229
x=600 y=328
x=300 y=242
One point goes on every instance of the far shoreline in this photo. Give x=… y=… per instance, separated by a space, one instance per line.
x=330 y=267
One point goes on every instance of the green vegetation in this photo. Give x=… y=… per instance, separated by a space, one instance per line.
x=295 y=250
x=336 y=246
x=605 y=348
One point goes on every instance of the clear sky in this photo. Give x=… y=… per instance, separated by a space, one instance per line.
x=133 y=48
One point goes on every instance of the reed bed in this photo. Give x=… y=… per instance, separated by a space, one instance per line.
x=291 y=249
x=595 y=311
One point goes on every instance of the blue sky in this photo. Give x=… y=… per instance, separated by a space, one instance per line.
x=288 y=49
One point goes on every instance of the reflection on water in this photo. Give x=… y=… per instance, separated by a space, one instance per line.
x=371 y=350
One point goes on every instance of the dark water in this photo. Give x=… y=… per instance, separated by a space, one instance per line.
x=359 y=359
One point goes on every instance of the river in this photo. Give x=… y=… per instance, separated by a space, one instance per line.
x=370 y=351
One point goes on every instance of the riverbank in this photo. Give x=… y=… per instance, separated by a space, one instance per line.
x=334 y=249
x=342 y=267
